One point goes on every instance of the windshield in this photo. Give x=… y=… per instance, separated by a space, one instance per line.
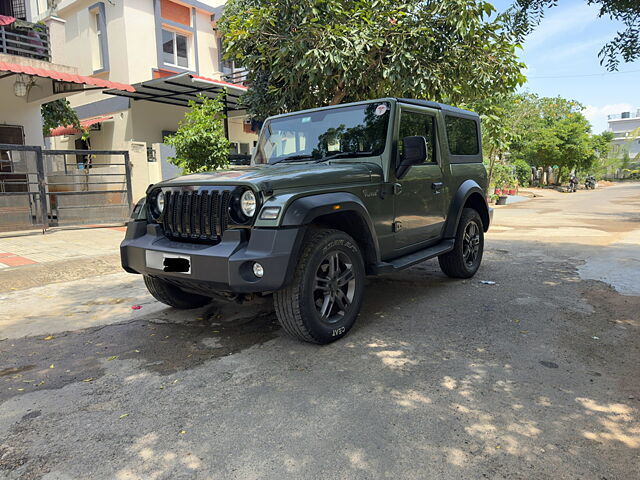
x=359 y=130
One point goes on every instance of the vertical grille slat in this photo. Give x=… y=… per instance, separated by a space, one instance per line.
x=186 y=218
x=166 y=224
x=224 y=214
x=200 y=216
x=177 y=213
x=196 y=215
x=206 y=214
x=214 y=213
x=195 y=211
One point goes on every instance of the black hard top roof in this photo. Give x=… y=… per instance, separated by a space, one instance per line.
x=439 y=106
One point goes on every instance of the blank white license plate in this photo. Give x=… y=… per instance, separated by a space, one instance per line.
x=168 y=262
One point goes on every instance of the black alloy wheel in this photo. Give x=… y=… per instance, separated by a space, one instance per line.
x=334 y=288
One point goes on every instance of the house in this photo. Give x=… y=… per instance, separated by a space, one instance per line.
x=626 y=128
x=168 y=51
x=30 y=191
x=29 y=77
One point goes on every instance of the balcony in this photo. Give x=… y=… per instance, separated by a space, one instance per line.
x=237 y=76
x=25 y=39
x=624 y=115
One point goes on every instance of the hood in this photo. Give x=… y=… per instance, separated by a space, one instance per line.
x=284 y=176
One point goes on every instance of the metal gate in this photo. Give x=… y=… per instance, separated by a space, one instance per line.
x=47 y=188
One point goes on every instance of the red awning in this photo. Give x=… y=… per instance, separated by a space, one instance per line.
x=71 y=130
x=220 y=82
x=6 y=20
x=63 y=77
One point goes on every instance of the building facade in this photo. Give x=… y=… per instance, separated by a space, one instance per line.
x=626 y=129
x=141 y=43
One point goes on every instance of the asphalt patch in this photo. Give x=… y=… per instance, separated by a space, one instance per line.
x=163 y=348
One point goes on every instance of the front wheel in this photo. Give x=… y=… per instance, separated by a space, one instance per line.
x=174 y=297
x=323 y=300
x=464 y=260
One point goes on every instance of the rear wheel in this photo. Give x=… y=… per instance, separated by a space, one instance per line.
x=172 y=295
x=324 y=298
x=465 y=258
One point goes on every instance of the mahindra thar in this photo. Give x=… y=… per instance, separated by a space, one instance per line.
x=332 y=194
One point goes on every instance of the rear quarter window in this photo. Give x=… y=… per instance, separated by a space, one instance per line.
x=462 y=136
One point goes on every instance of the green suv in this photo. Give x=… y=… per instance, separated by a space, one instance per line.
x=332 y=194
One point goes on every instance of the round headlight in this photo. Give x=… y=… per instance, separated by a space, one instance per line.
x=248 y=203
x=160 y=201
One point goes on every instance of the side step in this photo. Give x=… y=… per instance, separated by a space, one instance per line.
x=407 y=261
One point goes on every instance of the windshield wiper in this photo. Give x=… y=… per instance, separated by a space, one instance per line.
x=344 y=155
x=294 y=158
x=298 y=158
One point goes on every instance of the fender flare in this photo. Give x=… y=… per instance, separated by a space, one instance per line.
x=305 y=210
x=466 y=189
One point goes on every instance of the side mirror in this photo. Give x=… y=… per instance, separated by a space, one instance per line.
x=415 y=151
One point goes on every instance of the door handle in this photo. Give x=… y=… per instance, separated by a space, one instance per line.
x=437 y=186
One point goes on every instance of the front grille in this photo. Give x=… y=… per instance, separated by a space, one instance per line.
x=195 y=214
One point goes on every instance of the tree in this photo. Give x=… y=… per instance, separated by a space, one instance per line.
x=58 y=114
x=200 y=142
x=323 y=52
x=607 y=158
x=502 y=119
x=554 y=134
x=527 y=14
x=602 y=144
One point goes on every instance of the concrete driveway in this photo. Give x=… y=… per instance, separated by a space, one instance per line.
x=536 y=376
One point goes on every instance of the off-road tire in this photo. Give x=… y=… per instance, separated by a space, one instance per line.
x=296 y=306
x=171 y=295
x=453 y=263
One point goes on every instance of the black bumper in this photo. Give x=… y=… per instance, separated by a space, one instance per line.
x=227 y=266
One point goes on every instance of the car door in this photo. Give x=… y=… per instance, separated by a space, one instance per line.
x=419 y=206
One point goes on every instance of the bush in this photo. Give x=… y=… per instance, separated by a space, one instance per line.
x=200 y=142
x=503 y=176
x=523 y=172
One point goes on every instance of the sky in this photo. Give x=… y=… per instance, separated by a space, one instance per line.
x=562 y=59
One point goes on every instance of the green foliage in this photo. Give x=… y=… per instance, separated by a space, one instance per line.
x=503 y=176
x=317 y=52
x=554 y=132
x=502 y=117
x=200 y=141
x=527 y=14
x=523 y=172
x=58 y=114
x=525 y=130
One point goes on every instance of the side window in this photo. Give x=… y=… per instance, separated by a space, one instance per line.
x=175 y=49
x=414 y=124
x=462 y=135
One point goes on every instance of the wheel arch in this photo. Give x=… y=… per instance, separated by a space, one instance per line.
x=468 y=195
x=342 y=211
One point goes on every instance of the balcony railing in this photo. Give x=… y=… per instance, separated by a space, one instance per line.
x=624 y=115
x=25 y=39
x=237 y=76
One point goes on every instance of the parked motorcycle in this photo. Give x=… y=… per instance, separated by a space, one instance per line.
x=573 y=183
x=590 y=183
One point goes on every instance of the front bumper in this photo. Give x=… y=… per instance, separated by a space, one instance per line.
x=227 y=266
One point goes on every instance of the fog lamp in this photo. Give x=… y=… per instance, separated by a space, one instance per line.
x=258 y=271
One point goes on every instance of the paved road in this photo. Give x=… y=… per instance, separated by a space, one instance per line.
x=535 y=377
